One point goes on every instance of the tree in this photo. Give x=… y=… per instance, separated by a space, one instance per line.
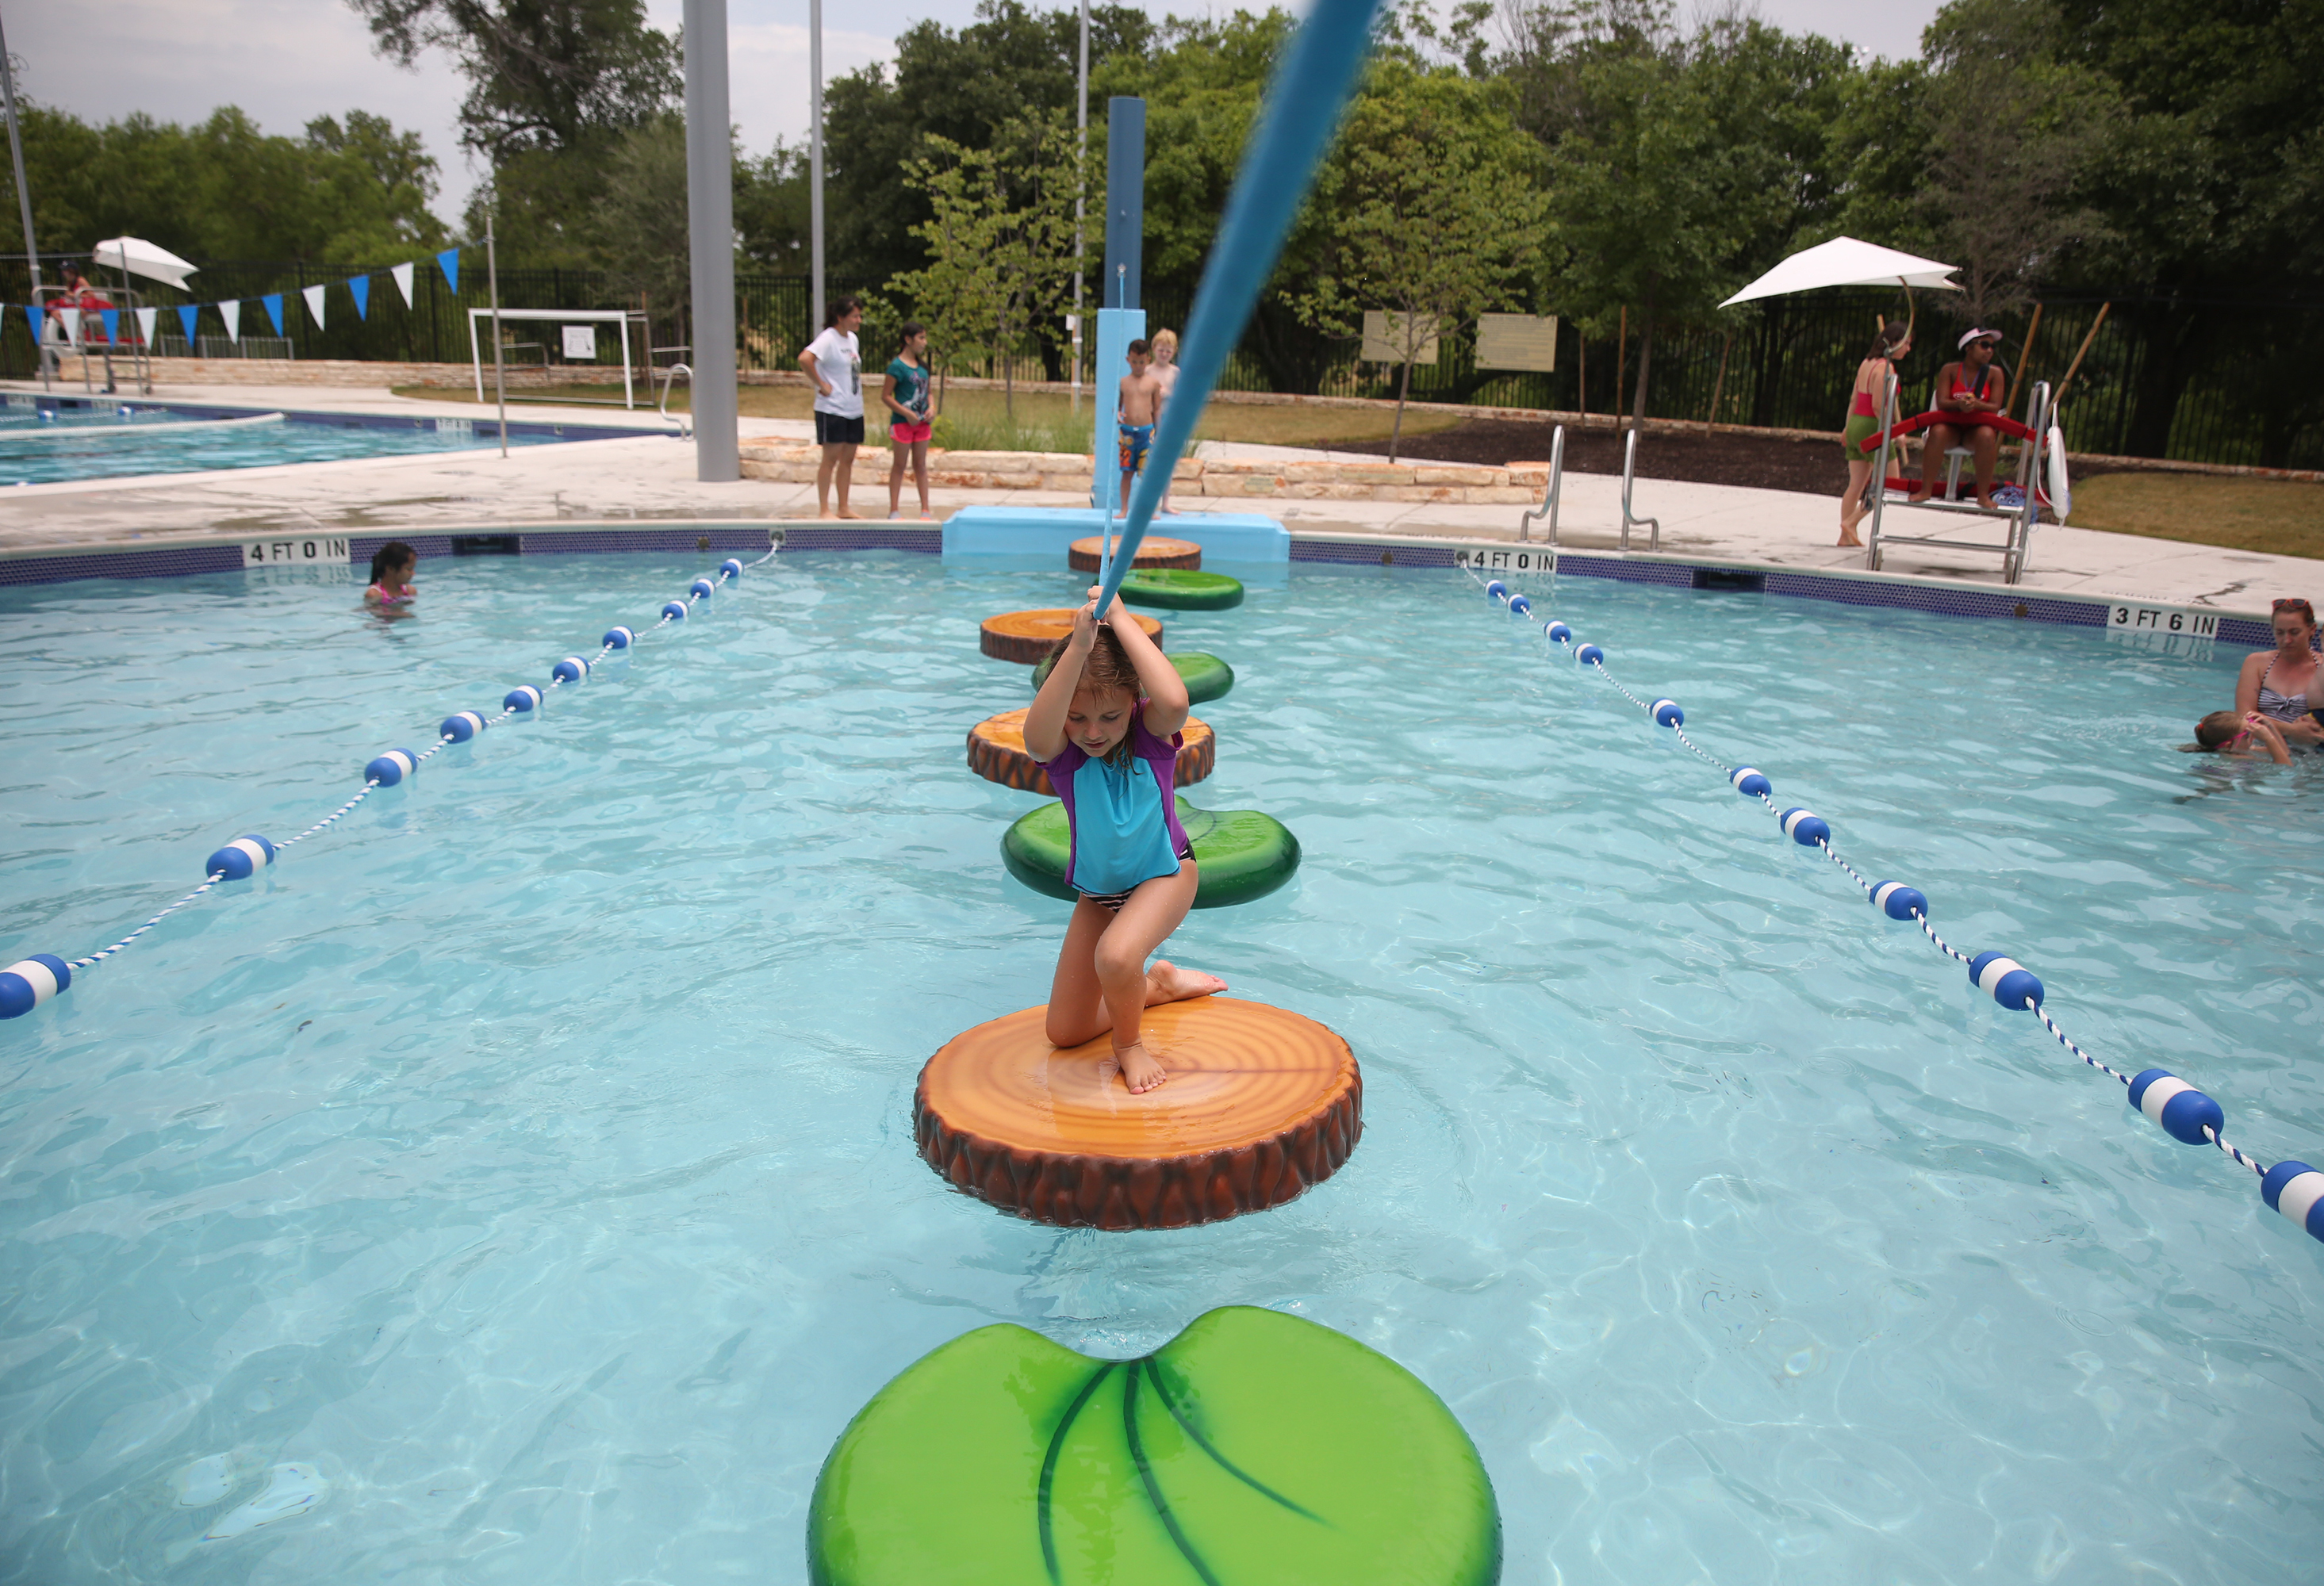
x=1442 y=217
x=1000 y=241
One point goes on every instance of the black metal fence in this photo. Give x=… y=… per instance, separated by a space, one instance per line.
x=1787 y=362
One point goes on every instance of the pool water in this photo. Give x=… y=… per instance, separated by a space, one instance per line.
x=82 y=445
x=516 y=1183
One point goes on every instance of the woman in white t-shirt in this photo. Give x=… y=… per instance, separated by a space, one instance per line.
x=834 y=363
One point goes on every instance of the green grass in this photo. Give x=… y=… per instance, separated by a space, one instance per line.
x=2280 y=517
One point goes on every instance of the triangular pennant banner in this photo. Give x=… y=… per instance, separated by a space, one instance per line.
x=71 y=318
x=314 y=296
x=361 y=286
x=111 y=317
x=402 y=273
x=448 y=261
x=146 y=320
x=273 y=301
x=230 y=311
x=33 y=312
x=190 y=315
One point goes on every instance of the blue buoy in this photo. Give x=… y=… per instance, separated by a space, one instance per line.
x=1497 y=590
x=1750 y=782
x=675 y=612
x=27 y=983
x=243 y=857
x=1899 y=901
x=571 y=670
x=1805 y=827
x=521 y=698
x=618 y=639
x=729 y=568
x=2176 y=1107
x=2007 y=981
x=1667 y=713
x=461 y=727
x=392 y=768
x=1558 y=633
x=2292 y=1188
x=702 y=589
x=1521 y=606
x=1590 y=655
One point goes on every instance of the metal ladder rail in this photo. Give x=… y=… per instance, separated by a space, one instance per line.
x=2018 y=520
x=1629 y=471
x=1548 y=508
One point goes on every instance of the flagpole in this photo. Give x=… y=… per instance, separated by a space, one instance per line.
x=493 y=278
x=1081 y=197
x=814 y=162
x=24 y=206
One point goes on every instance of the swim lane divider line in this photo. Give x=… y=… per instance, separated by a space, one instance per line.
x=26 y=985
x=2181 y=1111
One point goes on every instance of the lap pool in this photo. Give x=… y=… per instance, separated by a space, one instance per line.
x=517 y=1183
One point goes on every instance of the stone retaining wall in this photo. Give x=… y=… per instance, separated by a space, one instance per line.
x=793 y=463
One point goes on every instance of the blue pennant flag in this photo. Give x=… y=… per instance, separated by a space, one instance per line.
x=361 y=286
x=33 y=312
x=111 y=317
x=190 y=316
x=273 y=301
x=448 y=260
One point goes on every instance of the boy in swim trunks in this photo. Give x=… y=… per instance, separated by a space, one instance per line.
x=1142 y=409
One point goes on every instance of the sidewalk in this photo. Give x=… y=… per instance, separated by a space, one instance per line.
x=653 y=479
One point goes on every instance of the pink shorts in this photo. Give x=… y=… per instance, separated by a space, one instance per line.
x=909 y=433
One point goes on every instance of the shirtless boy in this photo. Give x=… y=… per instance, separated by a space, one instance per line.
x=1141 y=410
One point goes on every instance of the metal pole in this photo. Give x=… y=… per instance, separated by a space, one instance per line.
x=710 y=238
x=23 y=204
x=1081 y=192
x=815 y=164
x=492 y=280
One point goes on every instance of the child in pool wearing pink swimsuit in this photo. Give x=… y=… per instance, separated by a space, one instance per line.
x=391 y=567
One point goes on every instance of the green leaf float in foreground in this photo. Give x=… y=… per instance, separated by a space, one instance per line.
x=1255 y=1449
x=1240 y=855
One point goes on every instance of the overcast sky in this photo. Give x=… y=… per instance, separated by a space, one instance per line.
x=286 y=61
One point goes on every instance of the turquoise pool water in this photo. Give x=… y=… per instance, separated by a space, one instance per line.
x=76 y=444
x=516 y=1183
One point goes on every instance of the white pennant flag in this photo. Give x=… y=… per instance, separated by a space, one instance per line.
x=314 y=296
x=146 y=320
x=402 y=273
x=72 y=325
x=231 y=312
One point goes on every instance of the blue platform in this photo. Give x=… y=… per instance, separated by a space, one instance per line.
x=1050 y=531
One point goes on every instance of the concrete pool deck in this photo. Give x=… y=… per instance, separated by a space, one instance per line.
x=652 y=480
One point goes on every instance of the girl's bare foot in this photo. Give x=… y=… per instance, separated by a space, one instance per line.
x=1167 y=982
x=1849 y=542
x=1140 y=1072
x=844 y=513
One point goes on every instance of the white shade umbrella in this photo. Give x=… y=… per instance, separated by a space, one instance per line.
x=140 y=257
x=1845 y=261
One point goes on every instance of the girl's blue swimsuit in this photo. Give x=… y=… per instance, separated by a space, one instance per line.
x=1123 y=820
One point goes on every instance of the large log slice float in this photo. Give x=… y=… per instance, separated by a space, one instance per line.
x=997 y=752
x=1151 y=553
x=1025 y=637
x=1261 y=1104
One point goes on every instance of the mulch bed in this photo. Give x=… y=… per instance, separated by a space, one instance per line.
x=1765 y=462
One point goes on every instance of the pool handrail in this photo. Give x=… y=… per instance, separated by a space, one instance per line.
x=2018 y=521
x=1548 y=508
x=1629 y=471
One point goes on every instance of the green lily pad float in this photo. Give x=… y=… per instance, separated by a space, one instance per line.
x=1240 y=855
x=1254 y=1449
x=1182 y=589
x=1206 y=676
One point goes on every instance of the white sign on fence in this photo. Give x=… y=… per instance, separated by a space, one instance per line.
x=1518 y=341
x=1384 y=339
x=581 y=342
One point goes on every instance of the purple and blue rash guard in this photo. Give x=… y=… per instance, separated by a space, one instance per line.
x=1124 y=822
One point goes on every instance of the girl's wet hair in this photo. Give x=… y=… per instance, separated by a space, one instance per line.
x=2217 y=728
x=1108 y=670
x=394 y=554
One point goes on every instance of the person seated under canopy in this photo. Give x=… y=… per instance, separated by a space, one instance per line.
x=1968 y=392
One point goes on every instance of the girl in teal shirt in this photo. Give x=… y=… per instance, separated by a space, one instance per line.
x=906 y=393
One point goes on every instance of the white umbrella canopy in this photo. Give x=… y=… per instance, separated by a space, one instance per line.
x=1845 y=261
x=140 y=257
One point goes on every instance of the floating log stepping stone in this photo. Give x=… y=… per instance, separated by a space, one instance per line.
x=1179 y=590
x=1206 y=676
x=1240 y=855
x=1025 y=636
x=997 y=752
x=1262 y=1103
x=1152 y=552
x=1254 y=1449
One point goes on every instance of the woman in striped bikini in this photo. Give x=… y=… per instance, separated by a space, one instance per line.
x=2283 y=684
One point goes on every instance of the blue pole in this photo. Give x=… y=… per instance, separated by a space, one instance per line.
x=1303 y=112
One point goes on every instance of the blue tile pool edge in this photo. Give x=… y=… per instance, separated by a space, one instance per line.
x=1897 y=592
x=329 y=419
